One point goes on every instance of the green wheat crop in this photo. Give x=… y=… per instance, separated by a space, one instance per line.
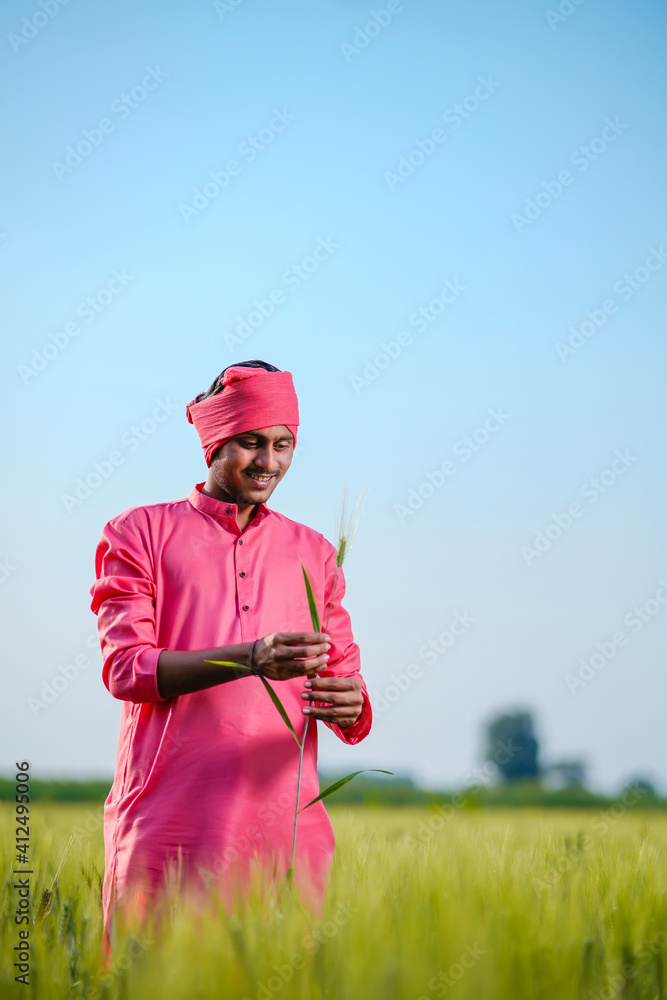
x=475 y=905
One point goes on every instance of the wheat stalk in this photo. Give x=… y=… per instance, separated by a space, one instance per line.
x=346 y=532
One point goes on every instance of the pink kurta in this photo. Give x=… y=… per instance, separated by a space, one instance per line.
x=213 y=772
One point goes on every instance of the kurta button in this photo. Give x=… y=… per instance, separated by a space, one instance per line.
x=242 y=573
x=228 y=511
x=246 y=607
x=240 y=541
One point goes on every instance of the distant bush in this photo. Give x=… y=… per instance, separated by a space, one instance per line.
x=370 y=791
x=68 y=790
x=521 y=794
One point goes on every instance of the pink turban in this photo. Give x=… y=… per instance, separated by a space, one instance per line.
x=252 y=398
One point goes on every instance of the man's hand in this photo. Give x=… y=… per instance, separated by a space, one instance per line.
x=342 y=696
x=282 y=655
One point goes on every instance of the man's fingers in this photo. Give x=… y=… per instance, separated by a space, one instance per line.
x=292 y=653
x=350 y=697
x=288 y=669
x=341 y=716
x=303 y=652
x=301 y=638
x=338 y=683
x=334 y=699
x=337 y=691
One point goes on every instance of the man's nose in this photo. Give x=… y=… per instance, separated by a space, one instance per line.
x=263 y=458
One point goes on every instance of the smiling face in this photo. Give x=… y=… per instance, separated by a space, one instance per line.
x=246 y=469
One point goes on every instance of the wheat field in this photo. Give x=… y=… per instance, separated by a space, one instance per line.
x=422 y=904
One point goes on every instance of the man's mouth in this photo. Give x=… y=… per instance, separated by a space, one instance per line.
x=260 y=478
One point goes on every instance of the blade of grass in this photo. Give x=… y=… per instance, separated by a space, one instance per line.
x=279 y=705
x=239 y=668
x=343 y=781
x=315 y=619
x=314 y=616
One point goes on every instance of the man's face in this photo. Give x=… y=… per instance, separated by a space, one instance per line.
x=248 y=467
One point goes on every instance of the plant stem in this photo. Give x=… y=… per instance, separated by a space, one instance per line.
x=298 y=790
x=301 y=746
x=333 y=591
x=332 y=597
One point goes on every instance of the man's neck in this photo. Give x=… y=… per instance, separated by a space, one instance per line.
x=245 y=513
x=245 y=516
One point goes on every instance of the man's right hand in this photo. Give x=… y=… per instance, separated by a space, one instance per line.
x=282 y=655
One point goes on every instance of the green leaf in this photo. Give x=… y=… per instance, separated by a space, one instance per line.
x=238 y=667
x=279 y=705
x=343 y=781
x=314 y=617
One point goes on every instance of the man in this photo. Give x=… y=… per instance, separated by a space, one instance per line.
x=206 y=769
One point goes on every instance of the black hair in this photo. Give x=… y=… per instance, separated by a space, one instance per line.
x=216 y=386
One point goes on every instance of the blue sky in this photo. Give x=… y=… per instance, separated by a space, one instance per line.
x=484 y=186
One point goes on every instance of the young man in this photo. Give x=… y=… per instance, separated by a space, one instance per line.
x=206 y=769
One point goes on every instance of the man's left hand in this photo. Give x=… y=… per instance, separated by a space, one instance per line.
x=342 y=696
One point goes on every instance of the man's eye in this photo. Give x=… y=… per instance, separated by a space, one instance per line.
x=255 y=444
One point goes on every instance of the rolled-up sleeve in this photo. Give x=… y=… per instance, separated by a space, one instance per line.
x=345 y=657
x=123 y=598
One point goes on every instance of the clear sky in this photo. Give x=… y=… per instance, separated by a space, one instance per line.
x=448 y=221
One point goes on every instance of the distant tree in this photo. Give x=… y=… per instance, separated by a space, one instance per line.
x=511 y=743
x=642 y=786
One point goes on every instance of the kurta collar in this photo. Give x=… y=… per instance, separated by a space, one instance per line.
x=226 y=512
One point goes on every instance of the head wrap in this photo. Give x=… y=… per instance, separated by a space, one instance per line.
x=252 y=398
